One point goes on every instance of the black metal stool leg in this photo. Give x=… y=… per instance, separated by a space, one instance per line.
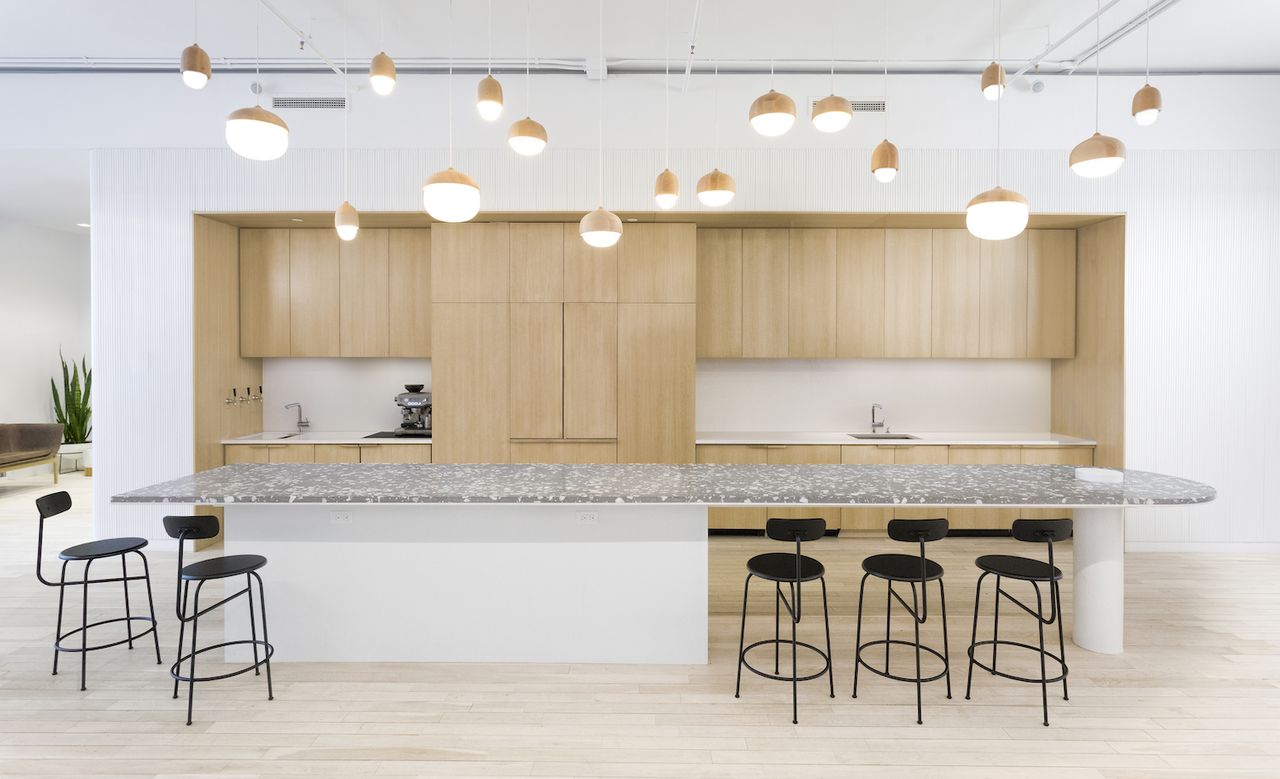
x=253 y=626
x=888 y=612
x=1062 y=642
x=857 y=641
x=995 y=631
x=946 y=641
x=777 y=634
x=973 y=641
x=182 y=629
x=84 y=627
x=128 y=623
x=57 y=635
x=826 y=620
x=742 y=636
x=262 y=602
x=195 y=627
x=915 y=609
x=151 y=604
x=1044 y=675
x=795 y=683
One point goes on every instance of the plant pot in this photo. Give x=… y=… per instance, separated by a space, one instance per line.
x=84 y=453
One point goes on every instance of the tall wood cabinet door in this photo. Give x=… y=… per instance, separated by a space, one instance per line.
x=399 y=454
x=908 y=292
x=657 y=263
x=866 y=519
x=656 y=358
x=734 y=517
x=313 y=293
x=919 y=455
x=983 y=518
x=720 y=293
x=365 y=295
x=337 y=453
x=957 y=293
x=1051 y=293
x=811 y=280
x=1053 y=455
x=590 y=370
x=537 y=357
x=537 y=263
x=409 y=297
x=1003 y=323
x=590 y=274
x=765 y=296
x=470 y=263
x=235 y=454
x=291 y=453
x=859 y=293
x=469 y=368
x=264 y=293
x=805 y=455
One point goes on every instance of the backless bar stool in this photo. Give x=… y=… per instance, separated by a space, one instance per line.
x=196 y=527
x=913 y=570
x=794 y=570
x=1036 y=531
x=52 y=505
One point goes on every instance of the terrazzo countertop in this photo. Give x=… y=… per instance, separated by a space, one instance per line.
x=717 y=485
x=845 y=438
x=321 y=437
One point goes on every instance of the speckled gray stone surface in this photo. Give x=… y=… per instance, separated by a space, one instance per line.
x=830 y=485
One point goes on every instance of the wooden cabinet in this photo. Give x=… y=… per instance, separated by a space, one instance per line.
x=244 y=453
x=1051 y=293
x=337 y=453
x=470 y=370
x=291 y=453
x=571 y=452
x=537 y=262
x=590 y=274
x=804 y=455
x=919 y=455
x=860 y=292
x=1003 y=317
x=657 y=263
x=313 y=293
x=656 y=357
x=264 y=293
x=591 y=370
x=983 y=518
x=470 y=263
x=869 y=520
x=365 y=298
x=734 y=517
x=811 y=283
x=908 y=293
x=956 y=294
x=409 y=293
x=401 y=454
x=328 y=453
x=719 y=293
x=1053 y=455
x=536 y=383
x=765 y=295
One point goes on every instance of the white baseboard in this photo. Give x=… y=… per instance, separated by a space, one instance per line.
x=1201 y=547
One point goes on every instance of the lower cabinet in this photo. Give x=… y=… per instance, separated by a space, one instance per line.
x=327 y=453
x=1054 y=455
x=405 y=454
x=984 y=518
x=569 y=452
x=754 y=518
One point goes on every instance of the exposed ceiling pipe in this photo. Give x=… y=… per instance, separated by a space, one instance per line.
x=1039 y=58
x=302 y=36
x=1158 y=7
x=693 y=44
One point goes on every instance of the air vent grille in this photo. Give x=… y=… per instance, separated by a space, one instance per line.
x=859 y=105
x=337 y=103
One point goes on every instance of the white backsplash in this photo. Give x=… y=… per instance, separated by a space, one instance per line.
x=836 y=395
x=338 y=394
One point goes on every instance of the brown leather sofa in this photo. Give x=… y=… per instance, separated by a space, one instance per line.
x=29 y=445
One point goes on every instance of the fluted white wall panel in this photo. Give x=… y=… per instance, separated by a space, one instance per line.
x=1203 y=246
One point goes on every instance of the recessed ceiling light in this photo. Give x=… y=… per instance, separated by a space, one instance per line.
x=82 y=224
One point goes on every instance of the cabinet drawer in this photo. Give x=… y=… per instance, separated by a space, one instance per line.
x=402 y=454
x=571 y=452
x=337 y=453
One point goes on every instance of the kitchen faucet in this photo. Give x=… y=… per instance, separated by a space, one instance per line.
x=303 y=424
x=877 y=425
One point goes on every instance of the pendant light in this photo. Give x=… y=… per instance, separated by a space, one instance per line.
x=1147 y=102
x=527 y=137
x=346 y=220
x=832 y=113
x=451 y=195
x=254 y=132
x=997 y=214
x=716 y=188
x=773 y=113
x=489 y=91
x=382 y=69
x=994 y=77
x=1098 y=155
x=666 y=189
x=196 y=71
x=601 y=228
x=884 y=158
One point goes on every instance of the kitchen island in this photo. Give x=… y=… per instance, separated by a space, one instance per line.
x=583 y=563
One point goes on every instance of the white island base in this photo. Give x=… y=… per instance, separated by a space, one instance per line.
x=476 y=582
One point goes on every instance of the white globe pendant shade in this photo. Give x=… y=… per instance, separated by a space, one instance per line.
x=716 y=188
x=1097 y=156
x=451 y=196
x=489 y=99
x=772 y=114
x=666 y=190
x=526 y=137
x=346 y=220
x=997 y=214
x=382 y=74
x=993 y=81
x=257 y=134
x=832 y=114
x=600 y=228
x=884 y=161
x=196 y=71
x=1147 y=105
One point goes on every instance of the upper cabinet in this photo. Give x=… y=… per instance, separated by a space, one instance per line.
x=1051 y=293
x=956 y=291
x=537 y=263
x=313 y=293
x=720 y=292
x=811 y=290
x=264 y=293
x=409 y=293
x=765 y=298
x=657 y=264
x=1003 y=300
x=365 y=295
x=470 y=263
x=908 y=293
x=860 y=315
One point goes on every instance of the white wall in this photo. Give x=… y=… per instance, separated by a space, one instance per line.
x=338 y=394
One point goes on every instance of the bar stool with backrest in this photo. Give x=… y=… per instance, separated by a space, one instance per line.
x=792 y=570
x=57 y=503
x=1037 y=572
x=194 y=528
x=911 y=569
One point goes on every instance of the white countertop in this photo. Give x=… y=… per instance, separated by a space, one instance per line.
x=320 y=437
x=843 y=438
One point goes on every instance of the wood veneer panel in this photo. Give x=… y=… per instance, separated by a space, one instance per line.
x=860 y=293
x=765 y=296
x=720 y=293
x=409 y=296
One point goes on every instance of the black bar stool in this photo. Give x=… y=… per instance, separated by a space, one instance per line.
x=50 y=506
x=1036 y=531
x=197 y=527
x=794 y=570
x=913 y=570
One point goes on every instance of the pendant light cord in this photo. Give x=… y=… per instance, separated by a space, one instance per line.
x=257 y=52
x=715 y=109
x=1148 y=54
x=450 y=41
x=600 y=99
x=1097 y=71
x=346 y=96
x=834 y=11
x=528 y=58
x=998 y=123
x=884 y=61
x=666 y=80
x=490 y=34
x=995 y=30
x=195 y=21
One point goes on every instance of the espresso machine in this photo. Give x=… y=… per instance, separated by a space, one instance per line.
x=415 y=410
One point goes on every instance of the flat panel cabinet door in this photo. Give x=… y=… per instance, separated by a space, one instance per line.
x=860 y=293
x=656 y=358
x=236 y=454
x=765 y=296
x=264 y=293
x=811 y=311
x=908 y=292
x=470 y=371
x=537 y=263
x=956 y=294
x=1053 y=455
x=365 y=297
x=569 y=452
x=805 y=455
x=919 y=455
x=984 y=518
x=590 y=274
x=337 y=453
x=720 y=293
x=1004 y=297
x=470 y=263
x=734 y=517
x=291 y=453
x=868 y=520
x=397 y=454
x=537 y=352
x=409 y=296
x=590 y=370
x=1051 y=293
x=657 y=263
x=313 y=293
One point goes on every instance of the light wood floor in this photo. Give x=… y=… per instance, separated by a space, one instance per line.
x=1196 y=694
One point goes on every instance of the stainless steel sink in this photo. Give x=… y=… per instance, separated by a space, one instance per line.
x=883 y=437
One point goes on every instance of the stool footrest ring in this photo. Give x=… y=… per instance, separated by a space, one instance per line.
x=882 y=641
x=1030 y=680
x=58 y=645
x=175 y=674
x=826 y=661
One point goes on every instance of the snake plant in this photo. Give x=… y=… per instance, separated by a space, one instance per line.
x=72 y=407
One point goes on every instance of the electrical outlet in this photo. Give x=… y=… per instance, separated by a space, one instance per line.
x=340 y=517
x=588 y=517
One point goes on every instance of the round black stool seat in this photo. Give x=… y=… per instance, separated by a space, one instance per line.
x=222 y=567
x=106 y=547
x=1014 y=567
x=781 y=567
x=901 y=568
